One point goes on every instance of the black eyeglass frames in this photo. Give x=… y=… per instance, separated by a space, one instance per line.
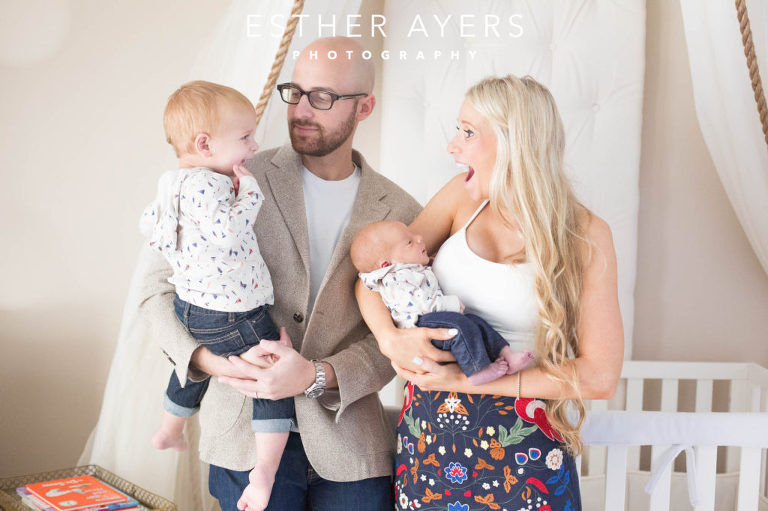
x=319 y=99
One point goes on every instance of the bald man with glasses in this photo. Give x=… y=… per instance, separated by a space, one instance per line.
x=318 y=193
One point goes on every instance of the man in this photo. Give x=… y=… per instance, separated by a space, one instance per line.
x=318 y=193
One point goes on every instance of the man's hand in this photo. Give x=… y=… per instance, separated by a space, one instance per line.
x=289 y=376
x=204 y=362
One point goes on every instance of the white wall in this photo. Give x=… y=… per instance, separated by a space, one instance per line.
x=82 y=144
x=82 y=141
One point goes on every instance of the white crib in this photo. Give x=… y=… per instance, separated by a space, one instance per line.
x=725 y=465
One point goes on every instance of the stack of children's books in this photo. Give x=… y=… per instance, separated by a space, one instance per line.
x=81 y=493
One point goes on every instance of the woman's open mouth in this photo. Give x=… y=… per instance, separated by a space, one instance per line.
x=470 y=173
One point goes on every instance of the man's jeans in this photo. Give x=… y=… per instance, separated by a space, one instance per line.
x=475 y=346
x=225 y=334
x=298 y=487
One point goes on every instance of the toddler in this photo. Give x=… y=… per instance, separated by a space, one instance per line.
x=202 y=222
x=393 y=261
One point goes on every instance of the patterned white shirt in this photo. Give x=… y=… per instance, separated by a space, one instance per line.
x=408 y=291
x=205 y=231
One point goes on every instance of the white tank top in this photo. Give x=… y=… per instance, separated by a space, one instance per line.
x=502 y=294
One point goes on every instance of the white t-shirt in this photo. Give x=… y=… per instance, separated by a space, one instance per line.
x=329 y=208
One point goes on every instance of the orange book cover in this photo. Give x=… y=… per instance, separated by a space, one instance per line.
x=81 y=492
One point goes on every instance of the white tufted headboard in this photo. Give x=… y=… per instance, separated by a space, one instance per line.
x=590 y=53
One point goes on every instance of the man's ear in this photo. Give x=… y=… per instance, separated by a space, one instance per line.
x=366 y=107
x=201 y=144
x=384 y=264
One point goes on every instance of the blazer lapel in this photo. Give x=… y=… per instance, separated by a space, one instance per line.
x=367 y=208
x=288 y=190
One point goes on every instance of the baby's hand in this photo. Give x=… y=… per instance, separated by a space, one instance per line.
x=241 y=171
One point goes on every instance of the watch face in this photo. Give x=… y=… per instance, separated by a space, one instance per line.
x=315 y=393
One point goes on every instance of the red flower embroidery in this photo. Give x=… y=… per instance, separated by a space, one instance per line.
x=408 y=399
x=537 y=483
x=532 y=410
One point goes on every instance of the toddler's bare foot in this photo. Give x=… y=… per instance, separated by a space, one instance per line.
x=494 y=371
x=256 y=494
x=169 y=440
x=516 y=360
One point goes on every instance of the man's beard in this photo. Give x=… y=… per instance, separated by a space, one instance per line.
x=321 y=143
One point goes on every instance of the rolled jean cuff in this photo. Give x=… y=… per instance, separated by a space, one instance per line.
x=178 y=410
x=273 y=425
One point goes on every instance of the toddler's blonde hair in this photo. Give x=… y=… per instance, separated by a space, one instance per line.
x=194 y=108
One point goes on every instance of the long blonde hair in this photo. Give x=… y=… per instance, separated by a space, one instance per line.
x=529 y=184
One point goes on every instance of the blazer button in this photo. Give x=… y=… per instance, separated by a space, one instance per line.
x=298 y=318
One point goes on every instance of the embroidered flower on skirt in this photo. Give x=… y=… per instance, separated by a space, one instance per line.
x=471 y=452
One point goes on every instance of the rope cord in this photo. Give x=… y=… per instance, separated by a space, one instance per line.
x=754 y=72
x=282 y=51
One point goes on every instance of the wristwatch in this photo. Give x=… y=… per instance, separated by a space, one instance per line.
x=316 y=390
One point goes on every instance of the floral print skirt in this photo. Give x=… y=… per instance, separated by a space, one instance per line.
x=473 y=452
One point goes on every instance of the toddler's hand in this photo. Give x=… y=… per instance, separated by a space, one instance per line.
x=241 y=171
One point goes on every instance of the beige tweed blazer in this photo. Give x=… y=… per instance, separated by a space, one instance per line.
x=345 y=433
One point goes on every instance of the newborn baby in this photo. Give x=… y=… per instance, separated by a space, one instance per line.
x=393 y=261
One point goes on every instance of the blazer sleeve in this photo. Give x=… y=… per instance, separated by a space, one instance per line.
x=360 y=368
x=156 y=316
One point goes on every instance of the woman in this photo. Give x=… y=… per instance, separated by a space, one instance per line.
x=520 y=251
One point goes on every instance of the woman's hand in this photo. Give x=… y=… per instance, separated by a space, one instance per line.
x=410 y=348
x=407 y=347
x=434 y=376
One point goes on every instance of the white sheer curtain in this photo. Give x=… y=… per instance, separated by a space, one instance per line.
x=133 y=395
x=726 y=109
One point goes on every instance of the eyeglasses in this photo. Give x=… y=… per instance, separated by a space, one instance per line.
x=319 y=99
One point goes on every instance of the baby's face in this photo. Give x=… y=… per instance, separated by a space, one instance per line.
x=233 y=142
x=406 y=246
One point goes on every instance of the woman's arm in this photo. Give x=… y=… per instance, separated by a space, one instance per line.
x=601 y=340
x=404 y=345
x=436 y=221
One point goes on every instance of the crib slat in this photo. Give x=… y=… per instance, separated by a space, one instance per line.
x=616 y=477
x=669 y=395
x=765 y=402
x=739 y=403
x=754 y=398
x=660 y=495
x=706 y=472
x=749 y=478
x=579 y=460
x=704 y=395
x=634 y=404
x=764 y=456
x=596 y=458
x=634 y=394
